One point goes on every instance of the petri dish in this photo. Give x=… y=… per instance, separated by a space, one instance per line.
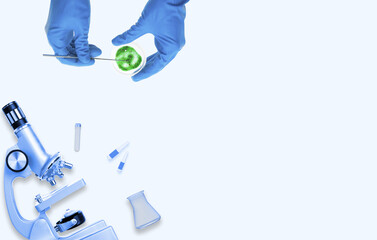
x=132 y=56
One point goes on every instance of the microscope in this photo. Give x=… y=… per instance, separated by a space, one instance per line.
x=29 y=156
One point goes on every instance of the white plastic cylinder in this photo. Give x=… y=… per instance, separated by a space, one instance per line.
x=77 y=136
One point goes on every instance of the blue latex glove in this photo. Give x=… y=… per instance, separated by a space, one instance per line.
x=165 y=20
x=67 y=31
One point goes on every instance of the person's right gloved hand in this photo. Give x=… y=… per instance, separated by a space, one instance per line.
x=165 y=20
x=67 y=31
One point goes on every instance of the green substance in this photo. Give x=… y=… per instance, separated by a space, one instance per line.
x=130 y=58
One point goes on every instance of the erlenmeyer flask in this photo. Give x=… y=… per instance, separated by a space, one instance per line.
x=144 y=213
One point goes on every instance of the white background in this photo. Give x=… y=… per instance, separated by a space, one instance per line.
x=263 y=127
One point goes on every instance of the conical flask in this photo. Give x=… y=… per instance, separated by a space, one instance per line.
x=144 y=213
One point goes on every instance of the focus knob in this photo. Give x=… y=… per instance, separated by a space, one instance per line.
x=17 y=160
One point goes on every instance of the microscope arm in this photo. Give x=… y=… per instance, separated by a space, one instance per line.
x=22 y=225
x=41 y=228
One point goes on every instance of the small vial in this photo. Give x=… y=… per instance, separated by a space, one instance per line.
x=116 y=151
x=121 y=164
x=77 y=136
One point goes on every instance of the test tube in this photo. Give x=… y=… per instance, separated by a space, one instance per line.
x=77 y=136
x=116 y=151
x=121 y=164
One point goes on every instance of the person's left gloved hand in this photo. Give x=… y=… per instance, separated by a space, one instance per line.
x=165 y=20
x=67 y=31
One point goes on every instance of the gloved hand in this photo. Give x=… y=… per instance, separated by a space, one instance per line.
x=67 y=31
x=165 y=20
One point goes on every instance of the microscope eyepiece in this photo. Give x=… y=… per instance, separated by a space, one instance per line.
x=14 y=114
